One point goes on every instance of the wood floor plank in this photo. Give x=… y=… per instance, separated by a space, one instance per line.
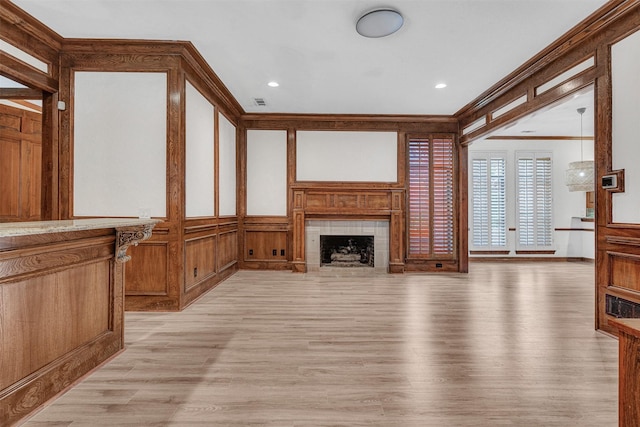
x=505 y=345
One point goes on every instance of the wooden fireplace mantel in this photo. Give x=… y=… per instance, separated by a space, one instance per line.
x=359 y=202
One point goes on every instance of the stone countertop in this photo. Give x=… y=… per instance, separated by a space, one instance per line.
x=14 y=229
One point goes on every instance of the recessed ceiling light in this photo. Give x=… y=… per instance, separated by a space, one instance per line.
x=273 y=84
x=441 y=85
x=379 y=23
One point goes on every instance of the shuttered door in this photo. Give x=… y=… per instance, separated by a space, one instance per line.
x=442 y=196
x=489 y=201
x=534 y=210
x=431 y=197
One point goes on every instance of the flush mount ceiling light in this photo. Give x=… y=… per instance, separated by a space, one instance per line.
x=441 y=85
x=273 y=84
x=379 y=23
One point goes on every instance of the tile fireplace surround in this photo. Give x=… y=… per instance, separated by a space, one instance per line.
x=316 y=228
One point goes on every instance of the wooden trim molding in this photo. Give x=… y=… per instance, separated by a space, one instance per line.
x=540 y=138
x=527 y=252
x=623 y=240
x=585 y=40
x=489 y=252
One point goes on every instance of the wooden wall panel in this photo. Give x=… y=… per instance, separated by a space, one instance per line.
x=625 y=271
x=265 y=245
x=27 y=344
x=81 y=294
x=32 y=175
x=10 y=179
x=61 y=309
x=200 y=260
x=351 y=201
x=20 y=164
x=147 y=272
x=227 y=249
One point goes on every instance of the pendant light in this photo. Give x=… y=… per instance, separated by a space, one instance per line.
x=580 y=175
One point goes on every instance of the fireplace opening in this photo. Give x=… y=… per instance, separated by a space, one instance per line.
x=346 y=251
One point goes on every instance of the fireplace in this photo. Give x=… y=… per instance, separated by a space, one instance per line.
x=346 y=251
x=356 y=246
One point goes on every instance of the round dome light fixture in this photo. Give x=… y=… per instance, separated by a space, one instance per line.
x=379 y=23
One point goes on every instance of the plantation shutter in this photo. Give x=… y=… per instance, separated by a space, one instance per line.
x=419 y=208
x=442 y=196
x=489 y=201
x=534 y=213
x=431 y=192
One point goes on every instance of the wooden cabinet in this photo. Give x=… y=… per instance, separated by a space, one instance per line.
x=61 y=310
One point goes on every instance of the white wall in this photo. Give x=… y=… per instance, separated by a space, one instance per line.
x=568 y=206
x=625 y=70
x=199 y=153
x=226 y=167
x=346 y=156
x=119 y=144
x=267 y=172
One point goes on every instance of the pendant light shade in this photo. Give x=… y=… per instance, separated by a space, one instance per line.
x=580 y=176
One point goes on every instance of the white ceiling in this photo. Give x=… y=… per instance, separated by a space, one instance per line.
x=323 y=66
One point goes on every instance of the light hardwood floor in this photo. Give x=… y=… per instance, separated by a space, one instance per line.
x=505 y=345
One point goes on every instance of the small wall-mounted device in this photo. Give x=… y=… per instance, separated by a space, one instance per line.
x=609 y=182
x=613 y=181
x=62 y=105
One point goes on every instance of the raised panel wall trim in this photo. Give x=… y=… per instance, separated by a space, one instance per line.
x=227 y=266
x=342 y=216
x=628 y=294
x=204 y=236
x=23 y=264
x=266 y=265
x=355 y=186
x=161 y=281
x=200 y=228
x=35 y=390
x=635 y=257
x=624 y=271
x=147 y=302
x=200 y=254
x=205 y=286
x=622 y=240
x=256 y=220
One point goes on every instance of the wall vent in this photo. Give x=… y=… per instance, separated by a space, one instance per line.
x=259 y=102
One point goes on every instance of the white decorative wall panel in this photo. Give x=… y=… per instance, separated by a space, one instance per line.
x=226 y=167
x=200 y=166
x=625 y=71
x=347 y=156
x=267 y=172
x=119 y=144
